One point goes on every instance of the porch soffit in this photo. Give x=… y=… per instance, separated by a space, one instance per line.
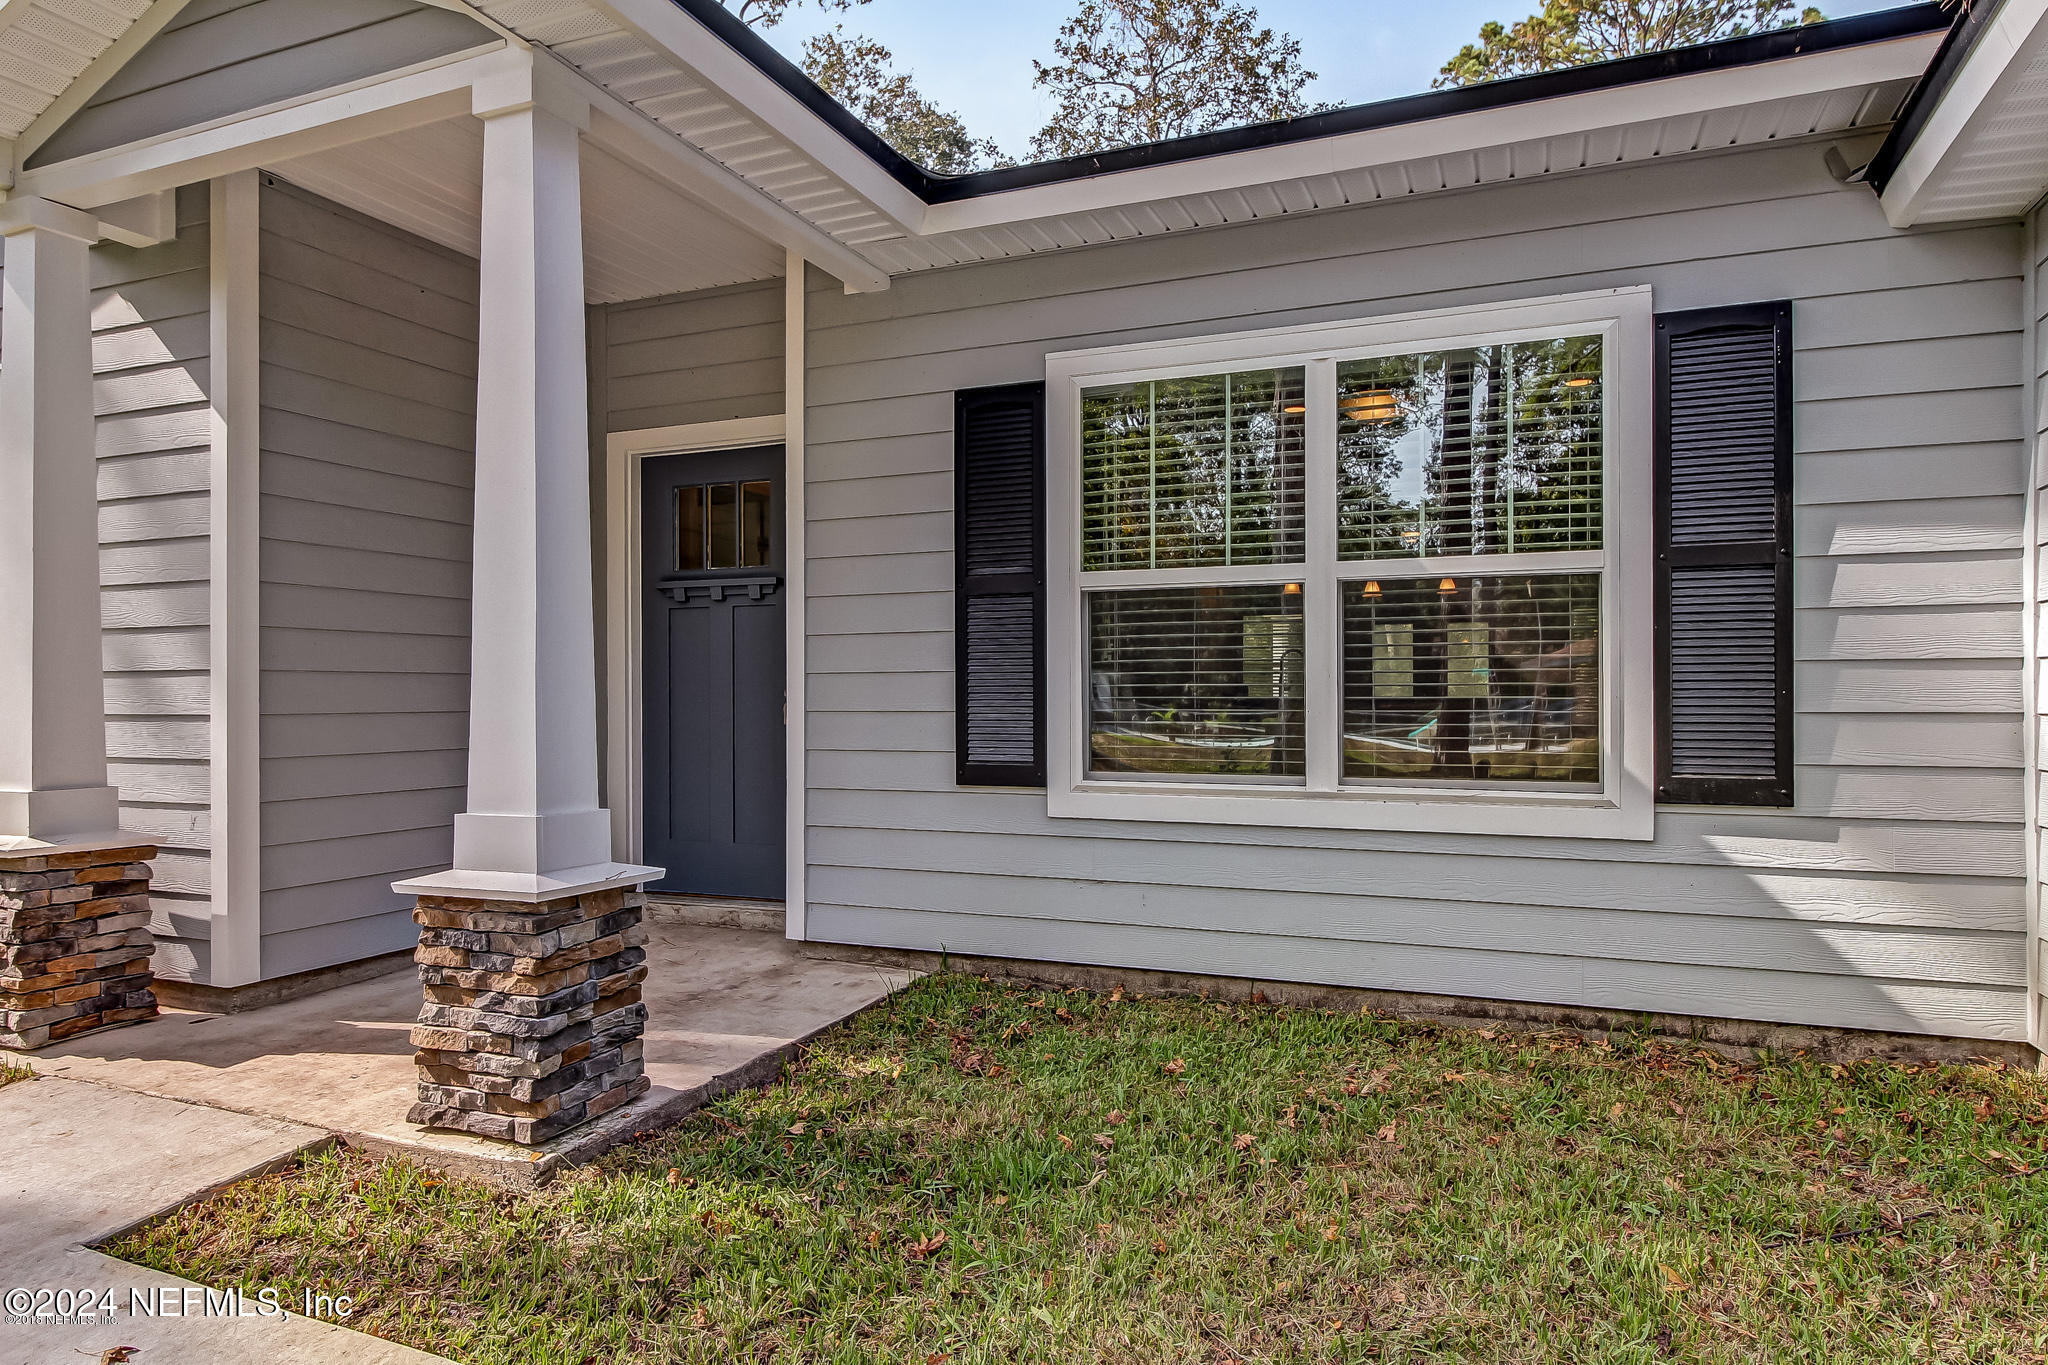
x=1974 y=143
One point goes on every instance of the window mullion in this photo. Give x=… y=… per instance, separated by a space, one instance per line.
x=1322 y=702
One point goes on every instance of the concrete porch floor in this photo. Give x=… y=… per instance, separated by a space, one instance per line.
x=724 y=1005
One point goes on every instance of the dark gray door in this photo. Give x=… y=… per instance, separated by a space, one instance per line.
x=713 y=650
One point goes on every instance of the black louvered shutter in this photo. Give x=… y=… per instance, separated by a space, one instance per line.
x=1724 y=555
x=999 y=577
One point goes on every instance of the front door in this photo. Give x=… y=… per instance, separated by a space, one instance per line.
x=713 y=652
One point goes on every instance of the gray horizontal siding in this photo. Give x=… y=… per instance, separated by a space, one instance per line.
x=705 y=357
x=1890 y=898
x=220 y=57
x=369 y=397
x=150 y=365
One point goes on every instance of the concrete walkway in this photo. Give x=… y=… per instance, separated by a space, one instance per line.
x=85 y=1162
x=725 y=1007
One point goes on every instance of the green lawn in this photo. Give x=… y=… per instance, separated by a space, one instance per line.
x=979 y=1173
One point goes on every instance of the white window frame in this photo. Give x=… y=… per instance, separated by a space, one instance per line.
x=1623 y=807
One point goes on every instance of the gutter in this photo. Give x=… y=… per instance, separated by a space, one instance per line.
x=1777 y=45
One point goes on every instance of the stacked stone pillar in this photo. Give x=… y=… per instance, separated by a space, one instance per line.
x=532 y=1020
x=74 y=943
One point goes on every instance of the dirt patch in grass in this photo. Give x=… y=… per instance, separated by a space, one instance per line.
x=973 y=1172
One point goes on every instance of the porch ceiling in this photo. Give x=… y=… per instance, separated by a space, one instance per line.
x=641 y=238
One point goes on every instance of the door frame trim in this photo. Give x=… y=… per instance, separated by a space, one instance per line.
x=625 y=778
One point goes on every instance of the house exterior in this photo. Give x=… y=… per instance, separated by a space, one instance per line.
x=1571 y=541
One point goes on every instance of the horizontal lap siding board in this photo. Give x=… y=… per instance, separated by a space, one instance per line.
x=150 y=362
x=1890 y=896
x=707 y=357
x=369 y=400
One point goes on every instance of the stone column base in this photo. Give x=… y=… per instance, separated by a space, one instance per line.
x=74 y=942
x=532 y=1020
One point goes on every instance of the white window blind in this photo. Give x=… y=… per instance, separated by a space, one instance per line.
x=1494 y=450
x=1183 y=473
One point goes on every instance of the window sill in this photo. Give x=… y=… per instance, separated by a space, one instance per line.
x=1575 y=815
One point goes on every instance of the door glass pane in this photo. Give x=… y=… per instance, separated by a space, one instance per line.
x=689 y=528
x=724 y=537
x=1196 y=683
x=757 y=537
x=1473 y=679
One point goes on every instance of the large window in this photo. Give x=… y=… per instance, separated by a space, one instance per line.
x=1370 y=575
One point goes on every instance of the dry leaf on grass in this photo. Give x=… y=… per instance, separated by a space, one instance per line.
x=1174 y=1067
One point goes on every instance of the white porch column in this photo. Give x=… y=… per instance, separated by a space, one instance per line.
x=53 y=729
x=74 y=892
x=530 y=955
x=533 y=823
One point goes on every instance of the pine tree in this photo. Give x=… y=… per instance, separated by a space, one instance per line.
x=1574 y=32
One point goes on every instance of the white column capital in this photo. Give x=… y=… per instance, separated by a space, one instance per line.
x=46 y=215
x=521 y=79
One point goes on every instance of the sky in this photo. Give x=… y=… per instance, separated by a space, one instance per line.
x=974 y=56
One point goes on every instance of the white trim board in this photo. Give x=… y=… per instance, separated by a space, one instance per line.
x=625 y=783
x=234 y=584
x=796 y=700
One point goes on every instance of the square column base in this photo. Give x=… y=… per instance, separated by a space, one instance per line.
x=74 y=942
x=532 y=1018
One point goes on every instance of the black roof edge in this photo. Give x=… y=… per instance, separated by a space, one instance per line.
x=1969 y=26
x=1776 y=45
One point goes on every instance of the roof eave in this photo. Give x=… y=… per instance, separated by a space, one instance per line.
x=933 y=189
